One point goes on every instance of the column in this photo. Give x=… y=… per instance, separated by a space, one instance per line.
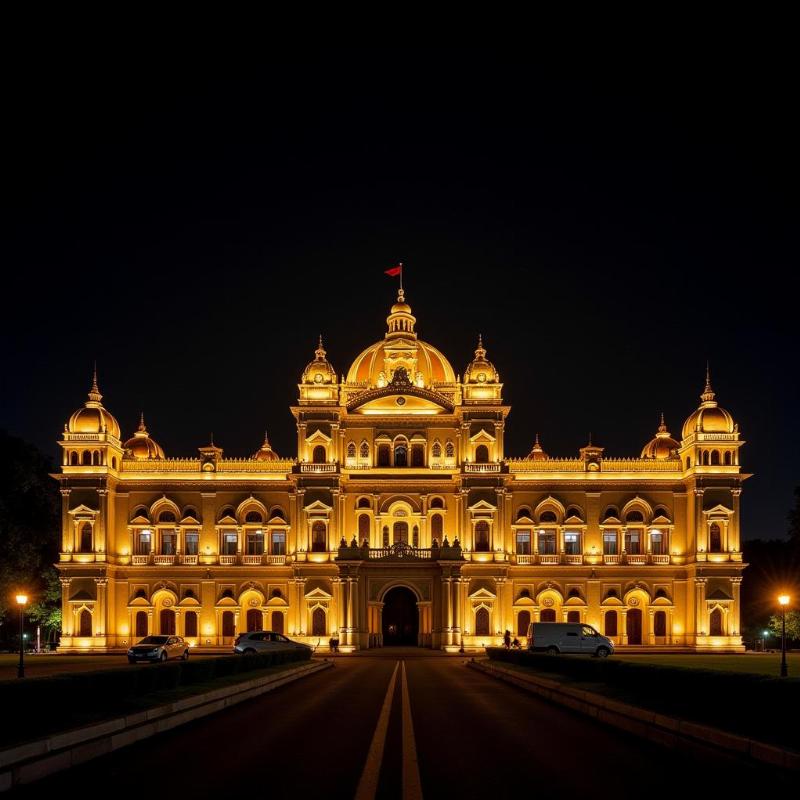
x=66 y=624
x=335 y=530
x=651 y=613
x=337 y=603
x=456 y=612
x=350 y=626
x=101 y=530
x=735 y=627
x=700 y=607
x=447 y=633
x=65 y=526
x=700 y=537
x=623 y=631
x=500 y=616
x=498 y=540
x=499 y=431
x=734 y=531
x=301 y=523
x=100 y=625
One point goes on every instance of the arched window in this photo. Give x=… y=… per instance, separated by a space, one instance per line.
x=548 y=615
x=688 y=462
x=85 y=623
x=385 y=535
x=634 y=516
x=715 y=539
x=660 y=623
x=96 y=458
x=715 y=623
x=73 y=459
x=417 y=455
x=415 y=536
x=363 y=527
x=277 y=621
x=318 y=455
x=437 y=527
x=482 y=622
x=254 y=516
x=612 y=593
x=384 y=455
x=574 y=511
x=319 y=539
x=228 y=624
x=167 y=620
x=573 y=592
x=400 y=456
x=524 y=511
x=318 y=621
x=400 y=532
x=87 y=458
x=255 y=620
x=715 y=458
x=611 y=623
x=523 y=621
x=141 y=624
x=351 y=449
x=547 y=516
x=449 y=449
x=728 y=458
x=166 y=516
x=573 y=616
x=436 y=450
x=190 y=511
x=190 y=624
x=86 y=538
x=705 y=458
x=482 y=536
x=364 y=502
x=114 y=462
x=437 y=502
x=363 y=451
x=481 y=454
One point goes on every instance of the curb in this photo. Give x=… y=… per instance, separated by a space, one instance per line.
x=32 y=761
x=650 y=725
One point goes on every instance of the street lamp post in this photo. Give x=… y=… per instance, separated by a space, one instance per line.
x=783 y=600
x=22 y=600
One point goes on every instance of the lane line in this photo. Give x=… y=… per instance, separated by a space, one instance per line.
x=412 y=784
x=368 y=783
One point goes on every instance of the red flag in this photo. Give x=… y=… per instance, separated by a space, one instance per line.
x=395 y=271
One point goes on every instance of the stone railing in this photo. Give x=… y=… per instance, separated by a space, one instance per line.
x=609 y=558
x=605 y=465
x=481 y=468
x=659 y=559
x=319 y=468
x=524 y=560
x=573 y=559
x=276 y=561
x=227 y=560
x=163 y=561
x=140 y=560
x=400 y=551
x=549 y=558
x=636 y=559
x=189 y=559
x=252 y=559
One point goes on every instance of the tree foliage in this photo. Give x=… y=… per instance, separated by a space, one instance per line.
x=792 y=625
x=29 y=524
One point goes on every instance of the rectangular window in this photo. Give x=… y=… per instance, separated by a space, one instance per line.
x=168 y=540
x=255 y=543
x=609 y=543
x=633 y=542
x=229 y=544
x=572 y=544
x=547 y=542
x=192 y=543
x=144 y=543
x=523 y=543
x=657 y=543
x=279 y=543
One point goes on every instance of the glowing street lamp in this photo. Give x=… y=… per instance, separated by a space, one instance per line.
x=22 y=600
x=783 y=600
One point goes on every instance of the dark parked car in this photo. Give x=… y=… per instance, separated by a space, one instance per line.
x=158 y=648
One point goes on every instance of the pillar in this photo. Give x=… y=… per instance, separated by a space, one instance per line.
x=66 y=622
x=101 y=623
x=701 y=627
x=65 y=526
x=101 y=529
x=735 y=627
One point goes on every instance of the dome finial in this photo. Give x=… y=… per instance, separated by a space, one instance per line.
x=708 y=393
x=94 y=392
x=266 y=439
x=320 y=351
x=141 y=422
x=480 y=351
x=662 y=425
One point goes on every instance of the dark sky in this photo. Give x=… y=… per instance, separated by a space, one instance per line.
x=194 y=221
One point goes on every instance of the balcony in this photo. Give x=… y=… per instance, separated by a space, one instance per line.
x=659 y=559
x=480 y=468
x=164 y=560
x=227 y=561
x=189 y=560
x=545 y=558
x=525 y=560
x=252 y=559
x=140 y=560
x=636 y=560
x=611 y=558
x=319 y=468
x=573 y=559
x=276 y=561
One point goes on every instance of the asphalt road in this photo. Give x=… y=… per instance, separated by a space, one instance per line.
x=372 y=726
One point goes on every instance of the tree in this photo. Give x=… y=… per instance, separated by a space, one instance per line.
x=29 y=522
x=792 y=625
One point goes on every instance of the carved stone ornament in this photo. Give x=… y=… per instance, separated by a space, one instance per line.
x=634 y=601
x=254 y=601
x=548 y=602
x=167 y=602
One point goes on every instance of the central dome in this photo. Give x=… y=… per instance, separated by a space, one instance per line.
x=424 y=364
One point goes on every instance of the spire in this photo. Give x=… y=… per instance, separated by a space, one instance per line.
x=320 y=352
x=708 y=393
x=94 y=392
x=480 y=351
x=266 y=441
x=662 y=428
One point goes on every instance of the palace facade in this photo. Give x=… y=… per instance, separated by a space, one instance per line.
x=400 y=521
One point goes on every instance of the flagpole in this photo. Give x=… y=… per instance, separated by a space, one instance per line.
x=401 y=276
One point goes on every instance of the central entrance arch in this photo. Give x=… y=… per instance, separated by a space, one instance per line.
x=400 y=617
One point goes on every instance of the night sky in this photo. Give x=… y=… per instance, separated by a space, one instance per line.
x=193 y=222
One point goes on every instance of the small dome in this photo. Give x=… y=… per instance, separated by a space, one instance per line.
x=93 y=417
x=537 y=453
x=662 y=445
x=319 y=370
x=140 y=445
x=709 y=417
x=265 y=452
x=479 y=370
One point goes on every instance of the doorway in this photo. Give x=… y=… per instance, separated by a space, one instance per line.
x=400 y=618
x=634 y=626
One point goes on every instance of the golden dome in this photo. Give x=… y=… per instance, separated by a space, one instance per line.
x=424 y=364
x=537 y=453
x=479 y=370
x=93 y=417
x=319 y=370
x=709 y=417
x=662 y=445
x=142 y=446
x=265 y=452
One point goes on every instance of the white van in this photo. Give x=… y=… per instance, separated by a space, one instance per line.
x=568 y=637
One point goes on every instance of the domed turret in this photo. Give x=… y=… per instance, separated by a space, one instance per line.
x=265 y=452
x=479 y=370
x=662 y=445
x=141 y=446
x=401 y=321
x=537 y=453
x=709 y=417
x=319 y=371
x=93 y=417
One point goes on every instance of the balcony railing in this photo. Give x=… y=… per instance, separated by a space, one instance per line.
x=481 y=468
x=227 y=560
x=611 y=558
x=252 y=559
x=545 y=558
x=140 y=560
x=525 y=560
x=573 y=559
x=319 y=467
x=636 y=559
x=660 y=559
x=276 y=561
x=162 y=560
x=400 y=551
x=188 y=560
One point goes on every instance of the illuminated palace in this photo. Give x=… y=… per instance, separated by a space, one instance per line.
x=401 y=521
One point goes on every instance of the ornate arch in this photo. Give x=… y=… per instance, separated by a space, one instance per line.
x=251 y=504
x=399 y=498
x=638 y=504
x=160 y=505
x=399 y=584
x=550 y=503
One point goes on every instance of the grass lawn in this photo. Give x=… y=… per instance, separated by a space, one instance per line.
x=756 y=663
x=53 y=663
